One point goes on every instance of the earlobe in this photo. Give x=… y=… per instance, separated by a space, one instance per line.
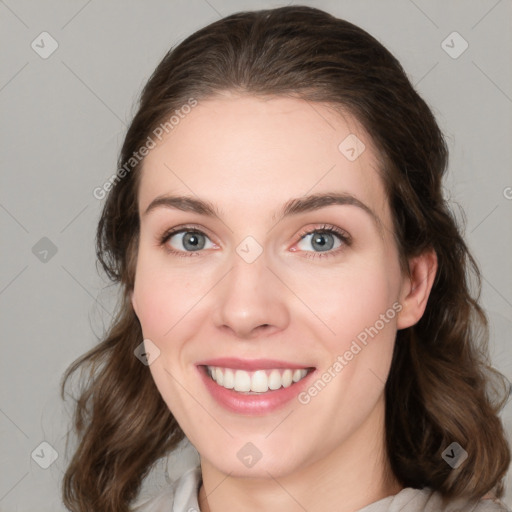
x=416 y=288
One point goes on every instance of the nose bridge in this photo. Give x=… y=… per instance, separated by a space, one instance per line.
x=250 y=296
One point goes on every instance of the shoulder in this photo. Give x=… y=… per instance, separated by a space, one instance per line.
x=179 y=496
x=427 y=500
x=489 y=505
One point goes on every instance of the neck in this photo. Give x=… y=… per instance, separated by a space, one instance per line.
x=354 y=475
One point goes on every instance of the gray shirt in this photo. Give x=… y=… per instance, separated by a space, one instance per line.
x=182 y=496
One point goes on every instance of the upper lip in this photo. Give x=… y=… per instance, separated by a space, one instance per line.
x=252 y=364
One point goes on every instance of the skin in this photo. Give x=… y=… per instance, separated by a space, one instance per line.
x=249 y=156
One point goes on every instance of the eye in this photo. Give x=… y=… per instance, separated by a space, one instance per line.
x=185 y=240
x=326 y=239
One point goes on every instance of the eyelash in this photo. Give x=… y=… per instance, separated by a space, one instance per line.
x=343 y=236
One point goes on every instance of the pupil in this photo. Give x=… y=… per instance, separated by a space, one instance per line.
x=319 y=240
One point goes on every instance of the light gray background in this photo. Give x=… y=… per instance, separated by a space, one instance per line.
x=64 y=119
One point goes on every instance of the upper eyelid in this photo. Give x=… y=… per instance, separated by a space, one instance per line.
x=326 y=228
x=343 y=236
x=183 y=229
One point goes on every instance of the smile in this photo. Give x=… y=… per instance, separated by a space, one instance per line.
x=254 y=387
x=259 y=381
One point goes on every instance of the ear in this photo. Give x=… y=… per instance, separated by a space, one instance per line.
x=416 y=288
x=133 y=301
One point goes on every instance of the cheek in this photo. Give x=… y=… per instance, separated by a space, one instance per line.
x=163 y=295
x=361 y=310
x=151 y=302
x=350 y=299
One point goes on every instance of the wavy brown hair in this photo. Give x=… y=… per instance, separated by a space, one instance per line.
x=441 y=387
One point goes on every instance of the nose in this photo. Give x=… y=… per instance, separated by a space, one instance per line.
x=251 y=301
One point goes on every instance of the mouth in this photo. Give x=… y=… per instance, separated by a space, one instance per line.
x=258 y=381
x=256 y=387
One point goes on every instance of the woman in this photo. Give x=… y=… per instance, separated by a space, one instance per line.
x=295 y=290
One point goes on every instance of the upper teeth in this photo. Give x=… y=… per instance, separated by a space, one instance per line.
x=259 y=381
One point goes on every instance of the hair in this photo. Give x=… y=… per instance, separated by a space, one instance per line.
x=441 y=386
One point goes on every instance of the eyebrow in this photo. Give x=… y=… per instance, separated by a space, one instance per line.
x=292 y=207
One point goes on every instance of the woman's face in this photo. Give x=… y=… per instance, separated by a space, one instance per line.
x=237 y=289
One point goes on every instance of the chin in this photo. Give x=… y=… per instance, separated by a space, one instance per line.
x=264 y=460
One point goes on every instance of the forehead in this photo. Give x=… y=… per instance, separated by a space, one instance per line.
x=258 y=153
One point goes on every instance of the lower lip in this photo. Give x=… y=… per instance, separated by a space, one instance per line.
x=259 y=404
